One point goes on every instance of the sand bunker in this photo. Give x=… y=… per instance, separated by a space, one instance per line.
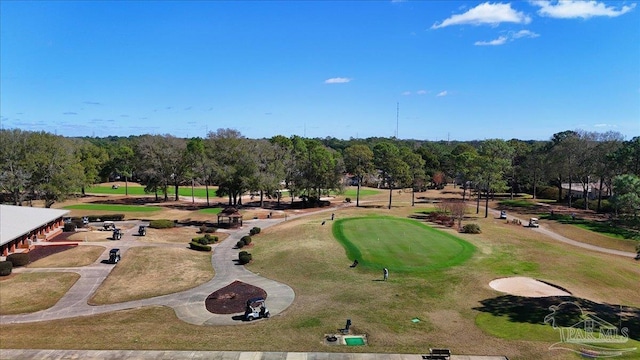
x=528 y=287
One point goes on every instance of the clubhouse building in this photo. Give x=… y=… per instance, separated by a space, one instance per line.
x=21 y=226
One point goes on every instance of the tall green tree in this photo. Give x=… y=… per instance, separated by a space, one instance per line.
x=418 y=177
x=393 y=170
x=626 y=194
x=92 y=158
x=358 y=160
x=15 y=175
x=495 y=162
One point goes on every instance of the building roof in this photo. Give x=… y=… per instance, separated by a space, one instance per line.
x=16 y=221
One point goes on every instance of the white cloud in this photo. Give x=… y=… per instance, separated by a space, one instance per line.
x=510 y=36
x=406 y=93
x=570 y=9
x=499 y=41
x=524 y=34
x=422 y=92
x=442 y=93
x=486 y=13
x=337 y=80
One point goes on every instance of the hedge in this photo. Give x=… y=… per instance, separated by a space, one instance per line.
x=244 y=257
x=196 y=246
x=471 y=229
x=246 y=240
x=205 y=240
x=161 y=224
x=5 y=268
x=254 y=231
x=112 y=217
x=18 y=259
x=240 y=244
x=69 y=227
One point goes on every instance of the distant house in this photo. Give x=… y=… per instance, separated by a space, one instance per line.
x=20 y=226
x=593 y=190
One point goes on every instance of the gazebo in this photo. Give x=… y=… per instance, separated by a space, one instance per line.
x=229 y=217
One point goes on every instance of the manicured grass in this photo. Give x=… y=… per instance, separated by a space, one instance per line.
x=399 y=244
x=139 y=190
x=212 y=211
x=30 y=292
x=602 y=227
x=363 y=193
x=113 y=207
x=74 y=257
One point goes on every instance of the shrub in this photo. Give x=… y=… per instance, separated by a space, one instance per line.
x=68 y=227
x=5 y=268
x=18 y=259
x=112 y=217
x=471 y=229
x=240 y=244
x=347 y=200
x=210 y=230
x=200 y=247
x=161 y=224
x=211 y=239
x=205 y=240
x=244 y=257
x=547 y=192
x=202 y=228
x=254 y=231
x=246 y=240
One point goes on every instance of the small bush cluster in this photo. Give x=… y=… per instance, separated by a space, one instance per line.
x=200 y=247
x=246 y=239
x=112 y=217
x=347 y=200
x=244 y=257
x=69 y=227
x=161 y=224
x=254 y=231
x=207 y=229
x=5 y=268
x=441 y=218
x=205 y=240
x=547 y=192
x=18 y=259
x=471 y=229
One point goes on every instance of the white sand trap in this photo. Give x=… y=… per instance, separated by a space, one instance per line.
x=526 y=286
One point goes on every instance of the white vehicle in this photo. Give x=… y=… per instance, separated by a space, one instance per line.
x=109 y=225
x=533 y=222
x=256 y=309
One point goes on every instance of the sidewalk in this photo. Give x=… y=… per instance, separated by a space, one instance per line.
x=217 y=355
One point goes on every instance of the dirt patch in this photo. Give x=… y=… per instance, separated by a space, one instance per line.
x=232 y=298
x=527 y=287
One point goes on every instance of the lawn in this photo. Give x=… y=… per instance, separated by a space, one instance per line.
x=113 y=207
x=306 y=255
x=401 y=245
x=29 y=292
x=199 y=192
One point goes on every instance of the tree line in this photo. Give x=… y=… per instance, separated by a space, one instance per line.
x=44 y=166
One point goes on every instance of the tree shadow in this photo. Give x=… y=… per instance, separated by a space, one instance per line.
x=534 y=310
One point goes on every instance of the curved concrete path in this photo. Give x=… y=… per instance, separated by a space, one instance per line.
x=566 y=240
x=189 y=305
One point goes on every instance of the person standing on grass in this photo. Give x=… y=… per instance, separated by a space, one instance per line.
x=385 y=274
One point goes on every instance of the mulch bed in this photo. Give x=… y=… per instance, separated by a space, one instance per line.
x=232 y=298
x=43 y=251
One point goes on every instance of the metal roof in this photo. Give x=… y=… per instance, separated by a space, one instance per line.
x=16 y=221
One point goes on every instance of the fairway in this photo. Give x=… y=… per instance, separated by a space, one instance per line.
x=401 y=245
x=119 y=208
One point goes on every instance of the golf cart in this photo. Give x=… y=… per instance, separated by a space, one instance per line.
x=108 y=225
x=114 y=256
x=117 y=234
x=533 y=222
x=503 y=214
x=256 y=308
x=142 y=230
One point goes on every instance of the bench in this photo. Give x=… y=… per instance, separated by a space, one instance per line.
x=438 y=354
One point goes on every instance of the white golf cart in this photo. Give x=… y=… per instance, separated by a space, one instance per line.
x=533 y=222
x=256 y=309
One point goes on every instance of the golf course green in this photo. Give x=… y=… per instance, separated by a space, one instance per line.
x=400 y=245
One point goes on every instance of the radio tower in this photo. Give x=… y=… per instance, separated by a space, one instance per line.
x=397 y=117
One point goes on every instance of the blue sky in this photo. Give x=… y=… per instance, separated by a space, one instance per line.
x=459 y=70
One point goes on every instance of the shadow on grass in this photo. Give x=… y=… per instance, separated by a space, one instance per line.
x=609 y=227
x=534 y=310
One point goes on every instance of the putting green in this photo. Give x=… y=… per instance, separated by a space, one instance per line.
x=401 y=245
